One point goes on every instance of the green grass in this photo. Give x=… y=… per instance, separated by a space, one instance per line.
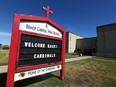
x=94 y=72
x=84 y=73
x=71 y=55
x=4 y=57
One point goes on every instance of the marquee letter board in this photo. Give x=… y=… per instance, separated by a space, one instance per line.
x=37 y=46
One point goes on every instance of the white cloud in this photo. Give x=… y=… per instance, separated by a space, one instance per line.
x=5 y=34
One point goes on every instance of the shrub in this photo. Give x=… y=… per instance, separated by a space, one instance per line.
x=5 y=47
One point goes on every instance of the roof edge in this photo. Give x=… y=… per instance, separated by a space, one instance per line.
x=74 y=34
x=106 y=25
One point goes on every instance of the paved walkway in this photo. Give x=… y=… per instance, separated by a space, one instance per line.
x=78 y=58
x=3 y=69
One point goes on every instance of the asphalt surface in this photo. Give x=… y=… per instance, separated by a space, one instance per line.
x=3 y=69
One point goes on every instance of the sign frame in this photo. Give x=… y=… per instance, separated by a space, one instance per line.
x=15 y=47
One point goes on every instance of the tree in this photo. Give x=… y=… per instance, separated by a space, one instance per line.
x=0 y=45
x=5 y=47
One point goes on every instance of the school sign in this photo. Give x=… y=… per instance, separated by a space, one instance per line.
x=37 y=47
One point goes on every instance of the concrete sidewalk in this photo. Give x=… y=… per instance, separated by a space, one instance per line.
x=3 y=69
x=78 y=58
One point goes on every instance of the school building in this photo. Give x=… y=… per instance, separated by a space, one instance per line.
x=104 y=45
x=106 y=40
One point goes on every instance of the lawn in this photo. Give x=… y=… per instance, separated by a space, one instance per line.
x=71 y=55
x=4 y=57
x=94 y=72
x=84 y=73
